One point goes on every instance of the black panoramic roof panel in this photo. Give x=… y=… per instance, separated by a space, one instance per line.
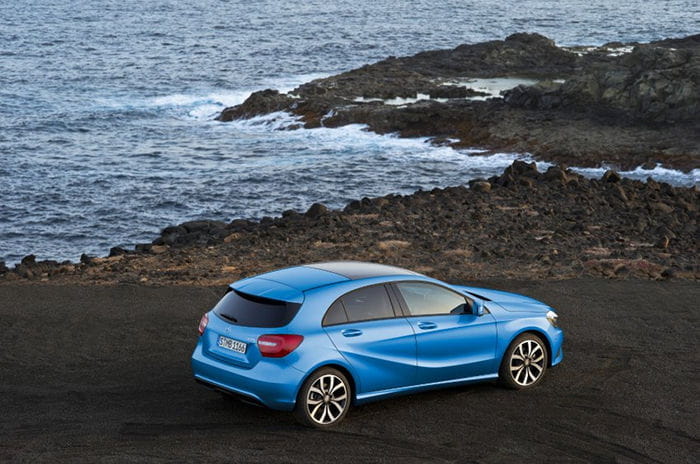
x=359 y=270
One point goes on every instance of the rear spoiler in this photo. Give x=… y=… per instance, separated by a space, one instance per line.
x=269 y=289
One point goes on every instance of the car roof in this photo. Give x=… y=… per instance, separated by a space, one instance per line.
x=289 y=284
x=355 y=270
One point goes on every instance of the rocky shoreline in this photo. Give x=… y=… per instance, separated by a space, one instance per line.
x=523 y=224
x=621 y=104
x=625 y=105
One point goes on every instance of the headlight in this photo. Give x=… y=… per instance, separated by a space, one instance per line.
x=553 y=318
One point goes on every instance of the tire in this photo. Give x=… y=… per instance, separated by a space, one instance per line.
x=524 y=363
x=324 y=399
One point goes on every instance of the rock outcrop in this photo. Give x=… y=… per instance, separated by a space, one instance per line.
x=624 y=104
x=651 y=84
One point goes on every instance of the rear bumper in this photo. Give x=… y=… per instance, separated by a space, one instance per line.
x=269 y=384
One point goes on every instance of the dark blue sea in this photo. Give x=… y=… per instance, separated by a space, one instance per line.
x=106 y=108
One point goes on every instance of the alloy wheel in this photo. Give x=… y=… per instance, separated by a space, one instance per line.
x=327 y=399
x=527 y=362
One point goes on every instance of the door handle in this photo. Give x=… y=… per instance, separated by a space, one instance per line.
x=427 y=325
x=351 y=332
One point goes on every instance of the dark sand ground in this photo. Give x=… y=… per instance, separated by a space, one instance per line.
x=99 y=373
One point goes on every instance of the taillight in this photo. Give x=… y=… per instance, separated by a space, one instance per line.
x=203 y=323
x=276 y=346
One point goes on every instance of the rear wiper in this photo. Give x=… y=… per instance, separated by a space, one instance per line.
x=230 y=318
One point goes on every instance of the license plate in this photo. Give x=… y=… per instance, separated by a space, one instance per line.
x=231 y=344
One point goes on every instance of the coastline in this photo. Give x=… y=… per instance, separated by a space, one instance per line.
x=625 y=105
x=630 y=105
x=523 y=224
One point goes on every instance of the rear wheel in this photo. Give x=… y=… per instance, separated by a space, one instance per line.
x=524 y=362
x=324 y=399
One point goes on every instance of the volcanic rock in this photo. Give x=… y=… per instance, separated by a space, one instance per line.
x=480 y=186
x=552 y=225
x=259 y=103
x=590 y=106
x=317 y=210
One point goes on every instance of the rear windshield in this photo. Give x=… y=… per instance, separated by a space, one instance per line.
x=254 y=311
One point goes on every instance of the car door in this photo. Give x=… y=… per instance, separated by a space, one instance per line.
x=374 y=338
x=451 y=342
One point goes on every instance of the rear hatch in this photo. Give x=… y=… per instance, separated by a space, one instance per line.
x=252 y=308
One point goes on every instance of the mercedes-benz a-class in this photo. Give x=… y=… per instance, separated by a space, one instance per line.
x=319 y=338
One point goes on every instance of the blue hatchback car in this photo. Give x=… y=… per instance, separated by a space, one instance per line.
x=318 y=338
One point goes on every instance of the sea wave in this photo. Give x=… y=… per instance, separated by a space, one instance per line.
x=207 y=105
x=358 y=138
x=202 y=105
x=659 y=173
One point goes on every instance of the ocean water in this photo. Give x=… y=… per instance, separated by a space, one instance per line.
x=106 y=130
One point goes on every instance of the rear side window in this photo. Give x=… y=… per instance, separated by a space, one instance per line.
x=253 y=311
x=368 y=303
x=335 y=314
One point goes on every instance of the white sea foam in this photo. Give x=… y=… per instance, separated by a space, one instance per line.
x=276 y=121
x=580 y=51
x=610 y=51
x=492 y=87
x=357 y=140
x=658 y=173
x=178 y=99
x=206 y=105
x=617 y=51
x=400 y=101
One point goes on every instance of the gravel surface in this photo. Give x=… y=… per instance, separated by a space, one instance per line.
x=100 y=373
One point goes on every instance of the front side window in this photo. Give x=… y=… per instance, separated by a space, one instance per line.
x=424 y=299
x=367 y=303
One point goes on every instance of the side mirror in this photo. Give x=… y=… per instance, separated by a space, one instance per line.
x=477 y=308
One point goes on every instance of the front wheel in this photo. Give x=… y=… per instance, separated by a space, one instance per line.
x=524 y=362
x=324 y=399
